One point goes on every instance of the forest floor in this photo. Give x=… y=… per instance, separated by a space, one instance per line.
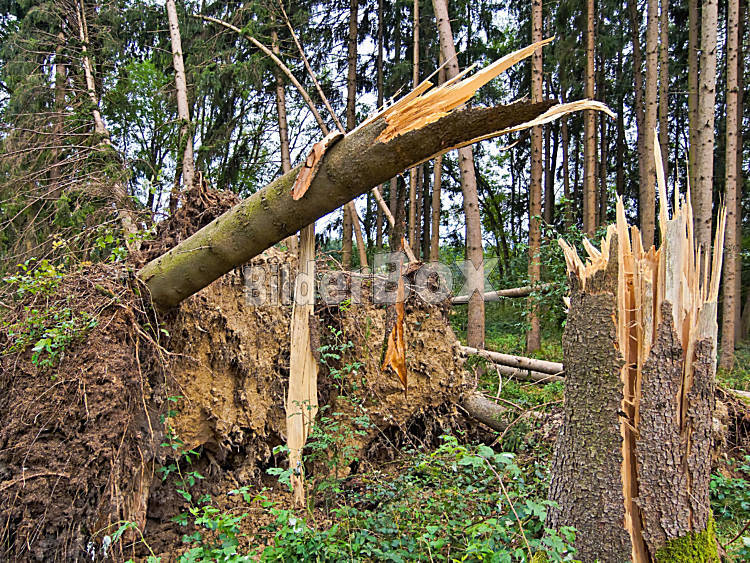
x=127 y=435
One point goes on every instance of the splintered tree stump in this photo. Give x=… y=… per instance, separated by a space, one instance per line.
x=632 y=463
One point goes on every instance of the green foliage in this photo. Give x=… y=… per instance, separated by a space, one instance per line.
x=730 y=503
x=51 y=329
x=215 y=534
x=739 y=376
x=458 y=503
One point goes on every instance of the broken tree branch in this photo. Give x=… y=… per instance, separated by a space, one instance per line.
x=498 y=295
x=351 y=167
x=543 y=366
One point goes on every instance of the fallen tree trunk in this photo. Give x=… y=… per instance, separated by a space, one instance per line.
x=351 y=167
x=543 y=366
x=498 y=295
x=485 y=411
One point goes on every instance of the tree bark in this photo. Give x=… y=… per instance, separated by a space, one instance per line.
x=693 y=92
x=550 y=164
x=183 y=108
x=500 y=294
x=643 y=168
x=349 y=168
x=379 y=79
x=437 y=184
x=568 y=210
x=646 y=197
x=413 y=173
x=632 y=462
x=119 y=193
x=702 y=192
x=521 y=362
x=351 y=123
x=589 y=147
x=664 y=86
x=731 y=299
x=292 y=242
x=61 y=76
x=533 y=336
x=739 y=334
x=474 y=250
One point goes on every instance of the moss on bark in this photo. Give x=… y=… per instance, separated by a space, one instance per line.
x=695 y=547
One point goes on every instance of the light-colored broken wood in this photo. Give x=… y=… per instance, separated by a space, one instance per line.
x=680 y=278
x=302 y=397
x=312 y=164
x=423 y=106
x=395 y=355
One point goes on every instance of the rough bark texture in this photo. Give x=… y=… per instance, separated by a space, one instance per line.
x=663 y=485
x=292 y=242
x=646 y=196
x=664 y=85
x=485 y=411
x=533 y=336
x=351 y=122
x=183 y=109
x=693 y=27
x=589 y=125
x=474 y=249
x=731 y=248
x=638 y=94
x=586 y=480
x=702 y=192
x=349 y=168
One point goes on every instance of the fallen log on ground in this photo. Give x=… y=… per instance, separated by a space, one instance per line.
x=500 y=294
x=485 y=411
x=525 y=374
x=543 y=366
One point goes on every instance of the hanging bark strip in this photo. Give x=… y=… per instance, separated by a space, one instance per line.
x=632 y=463
x=302 y=398
x=395 y=352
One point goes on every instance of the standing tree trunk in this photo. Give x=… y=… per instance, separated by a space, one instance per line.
x=731 y=299
x=664 y=86
x=632 y=462
x=646 y=197
x=643 y=169
x=702 y=192
x=620 y=145
x=589 y=125
x=183 y=111
x=119 y=193
x=693 y=93
x=286 y=160
x=414 y=173
x=437 y=183
x=568 y=210
x=739 y=333
x=61 y=76
x=550 y=164
x=533 y=336
x=351 y=122
x=379 y=216
x=474 y=250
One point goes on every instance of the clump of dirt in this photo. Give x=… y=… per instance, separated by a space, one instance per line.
x=78 y=439
x=230 y=363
